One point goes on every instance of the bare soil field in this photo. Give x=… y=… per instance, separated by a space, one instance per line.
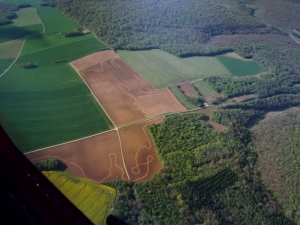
x=215 y=125
x=140 y=156
x=97 y=158
x=188 y=91
x=122 y=92
x=206 y=111
x=213 y=97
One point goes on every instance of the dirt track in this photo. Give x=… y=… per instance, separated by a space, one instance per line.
x=140 y=156
x=97 y=158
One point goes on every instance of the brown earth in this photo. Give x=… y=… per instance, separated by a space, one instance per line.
x=213 y=97
x=239 y=99
x=206 y=111
x=215 y=125
x=122 y=92
x=188 y=91
x=97 y=158
x=140 y=156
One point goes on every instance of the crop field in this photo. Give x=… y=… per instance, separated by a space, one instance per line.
x=152 y=65
x=239 y=67
x=11 y=32
x=94 y=200
x=11 y=49
x=204 y=88
x=124 y=94
x=26 y=17
x=180 y=96
x=96 y=158
x=140 y=156
x=5 y=63
x=188 y=91
x=49 y=104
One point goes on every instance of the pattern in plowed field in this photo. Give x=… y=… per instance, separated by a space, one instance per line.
x=188 y=91
x=140 y=156
x=97 y=158
x=121 y=90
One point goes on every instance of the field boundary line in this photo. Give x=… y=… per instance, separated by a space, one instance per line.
x=68 y=142
x=115 y=127
x=24 y=43
x=195 y=80
x=99 y=39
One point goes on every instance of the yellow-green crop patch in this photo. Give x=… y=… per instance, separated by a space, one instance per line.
x=26 y=17
x=94 y=200
x=161 y=68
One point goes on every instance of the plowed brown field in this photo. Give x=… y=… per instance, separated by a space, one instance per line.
x=97 y=158
x=188 y=91
x=140 y=156
x=124 y=94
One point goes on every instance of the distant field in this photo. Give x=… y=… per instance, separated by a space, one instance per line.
x=26 y=17
x=94 y=200
x=204 y=88
x=181 y=98
x=239 y=67
x=161 y=68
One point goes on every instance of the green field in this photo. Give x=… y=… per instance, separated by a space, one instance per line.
x=204 y=88
x=94 y=200
x=50 y=104
x=11 y=49
x=5 y=63
x=30 y=16
x=181 y=98
x=161 y=68
x=239 y=67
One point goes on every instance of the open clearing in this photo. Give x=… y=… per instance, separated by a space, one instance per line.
x=161 y=68
x=97 y=158
x=182 y=99
x=188 y=91
x=239 y=67
x=140 y=156
x=123 y=93
x=204 y=88
x=26 y=16
x=94 y=200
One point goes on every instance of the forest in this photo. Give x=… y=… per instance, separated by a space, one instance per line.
x=208 y=177
x=7 y=12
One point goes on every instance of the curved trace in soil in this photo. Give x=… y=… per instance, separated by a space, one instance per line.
x=81 y=169
x=147 y=90
x=111 y=165
x=114 y=63
x=149 y=158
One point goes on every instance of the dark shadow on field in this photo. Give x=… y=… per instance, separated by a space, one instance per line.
x=10 y=32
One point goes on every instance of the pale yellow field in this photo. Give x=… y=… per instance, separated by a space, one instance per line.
x=26 y=17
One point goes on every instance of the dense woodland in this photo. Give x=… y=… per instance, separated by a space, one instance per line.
x=208 y=177
x=7 y=12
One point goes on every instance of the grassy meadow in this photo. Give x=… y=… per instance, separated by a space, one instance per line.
x=49 y=104
x=238 y=67
x=203 y=88
x=94 y=200
x=162 y=69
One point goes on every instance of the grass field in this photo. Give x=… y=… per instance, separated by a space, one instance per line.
x=94 y=200
x=5 y=63
x=11 y=32
x=181 y=98
x=239 y=67
x=50 y=104
x=161 y=68
x=30 y=15
x=204 y=88
x=11 y=49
